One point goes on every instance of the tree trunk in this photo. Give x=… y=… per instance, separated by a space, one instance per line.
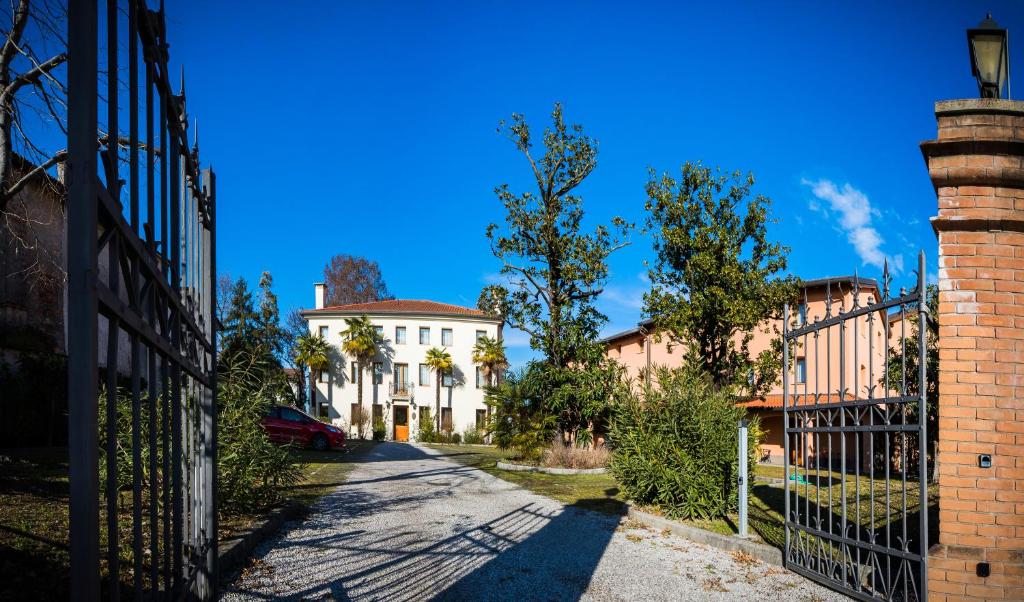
x=359 y=396
x=439 y=401
x=312 y=389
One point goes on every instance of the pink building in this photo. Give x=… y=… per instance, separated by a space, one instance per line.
x=863 y=348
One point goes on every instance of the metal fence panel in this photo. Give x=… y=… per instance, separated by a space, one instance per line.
x=141 y=292
x=855 y=422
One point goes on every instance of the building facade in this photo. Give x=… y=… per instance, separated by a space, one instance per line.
x=639 y=350
x=398 y=386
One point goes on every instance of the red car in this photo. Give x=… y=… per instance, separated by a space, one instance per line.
x=285 y=424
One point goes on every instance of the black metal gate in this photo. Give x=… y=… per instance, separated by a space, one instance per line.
x=141 y=328
x=856 y=460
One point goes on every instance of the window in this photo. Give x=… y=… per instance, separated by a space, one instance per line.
x=399 y=335
x=356 y=413
x=324 y=375
x=481 y=334
x=424 y=375
x=446 y=337
x=380 y=332
x=446 y=378
x=355 y=371
x=481 y=419
x=801 y=370
x=801 y=314
x=424 y=416
x=402 y=378
x=424 y=335
x=480 y=377
x=291 y=415
x=323 y=331
x=446 y=419
x=378 y=373
x=378 y=413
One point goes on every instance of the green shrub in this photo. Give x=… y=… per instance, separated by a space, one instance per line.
x=472 y=436
x=455 y=438
x=379 y=432
x=426 y=434
x=252 y=471
x=675 y=446
x=519 y=420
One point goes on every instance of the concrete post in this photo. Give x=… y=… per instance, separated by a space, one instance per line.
x=742 y=479
x=977 y=167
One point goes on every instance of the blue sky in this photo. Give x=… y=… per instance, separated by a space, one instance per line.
x=369 y=128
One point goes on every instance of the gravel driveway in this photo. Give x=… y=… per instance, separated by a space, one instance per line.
x=411 y=525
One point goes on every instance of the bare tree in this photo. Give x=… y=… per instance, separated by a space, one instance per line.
x=32 y=132
x=353 y=279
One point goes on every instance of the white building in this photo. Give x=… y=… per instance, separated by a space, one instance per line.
x=399 y=387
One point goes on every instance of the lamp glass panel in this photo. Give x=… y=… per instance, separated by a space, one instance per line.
x=988 y=50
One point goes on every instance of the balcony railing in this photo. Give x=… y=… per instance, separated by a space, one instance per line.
x=402 y=390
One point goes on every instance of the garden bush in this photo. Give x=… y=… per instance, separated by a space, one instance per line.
x=252 y=471
x=675 y=445
x=561 y=455
x=472 y=435
x=519 y=420
x=426 y=434
x=379 y=432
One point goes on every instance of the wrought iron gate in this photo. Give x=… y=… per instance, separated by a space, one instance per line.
x=141 y=295
x=856 y=460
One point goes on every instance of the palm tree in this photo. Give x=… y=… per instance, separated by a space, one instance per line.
x=362 y=342
x=490 y=354
x=314 y=352
x=440 y=361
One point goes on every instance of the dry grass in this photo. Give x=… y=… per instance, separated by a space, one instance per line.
x=560 y=455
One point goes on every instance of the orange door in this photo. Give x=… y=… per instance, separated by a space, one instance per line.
x=401 y=423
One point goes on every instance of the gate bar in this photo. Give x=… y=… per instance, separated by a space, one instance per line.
x=83 y=318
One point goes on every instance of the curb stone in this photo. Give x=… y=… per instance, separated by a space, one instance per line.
x=762 y=552
x=525 y=468
x=233 y=555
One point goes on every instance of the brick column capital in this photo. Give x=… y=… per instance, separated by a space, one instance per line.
x=975 y=165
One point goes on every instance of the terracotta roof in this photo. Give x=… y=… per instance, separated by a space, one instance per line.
x=402 y=306
x=774 y=401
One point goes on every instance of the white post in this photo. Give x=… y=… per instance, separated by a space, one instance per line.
x=741 y=480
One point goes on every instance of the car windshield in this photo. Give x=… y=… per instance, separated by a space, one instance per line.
x=292 y=415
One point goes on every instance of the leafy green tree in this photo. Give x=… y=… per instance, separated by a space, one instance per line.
x=313 y=352
x=271 y=334
x=295 y=328
x=717 y=275
x=556 y=270
x=440 y=361
x=490 y=355
x=250 y=326
x=361 y=342
x=904 y=361
x=241 y=322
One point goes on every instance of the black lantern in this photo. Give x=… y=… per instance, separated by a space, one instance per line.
x=990 y=58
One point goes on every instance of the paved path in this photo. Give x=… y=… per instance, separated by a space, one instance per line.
x=411 y=525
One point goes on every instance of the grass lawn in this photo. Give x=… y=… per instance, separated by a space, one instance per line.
x=597 y=492
x=34 y=521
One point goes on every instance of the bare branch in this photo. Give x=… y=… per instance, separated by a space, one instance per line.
x=32 y=76
x=34 y=173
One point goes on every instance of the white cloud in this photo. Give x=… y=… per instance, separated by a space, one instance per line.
x=854 y=213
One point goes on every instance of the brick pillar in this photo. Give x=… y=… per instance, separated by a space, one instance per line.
x=977 y=168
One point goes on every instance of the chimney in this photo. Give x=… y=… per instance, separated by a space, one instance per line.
x=318 y=293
